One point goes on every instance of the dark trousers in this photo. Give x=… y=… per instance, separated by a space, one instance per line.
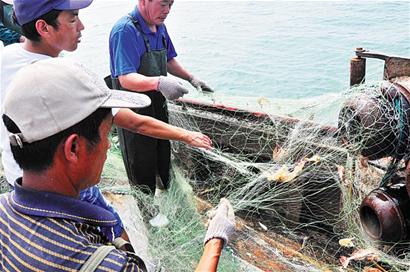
x=145 y=157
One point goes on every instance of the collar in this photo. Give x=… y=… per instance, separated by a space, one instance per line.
x=46 y=204
x=136 y=15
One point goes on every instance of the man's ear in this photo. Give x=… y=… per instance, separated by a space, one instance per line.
x=72 y=148
x=42 y=27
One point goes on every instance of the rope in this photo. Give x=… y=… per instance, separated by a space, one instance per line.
x=402 y=143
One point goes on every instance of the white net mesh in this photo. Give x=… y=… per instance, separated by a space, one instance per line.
x=296 y=179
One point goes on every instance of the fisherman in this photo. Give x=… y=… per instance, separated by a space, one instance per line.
x=59 y=127
x=141 y=55
x=8 y=35
x=51 y=26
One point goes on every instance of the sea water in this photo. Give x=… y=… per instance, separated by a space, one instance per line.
x=281 y=55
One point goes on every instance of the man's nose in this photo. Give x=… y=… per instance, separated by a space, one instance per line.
x=167 y=9
x=80 y=25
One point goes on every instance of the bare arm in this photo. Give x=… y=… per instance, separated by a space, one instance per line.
x=176 y=69
x=210 y=257
x=152 y=127
x=138 y=83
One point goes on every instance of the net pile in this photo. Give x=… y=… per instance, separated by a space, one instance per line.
x=296 y=178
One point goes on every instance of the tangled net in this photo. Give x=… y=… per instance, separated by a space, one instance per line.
x=297 y=179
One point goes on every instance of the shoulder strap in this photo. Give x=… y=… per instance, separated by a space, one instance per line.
x=138 y=27
x=98 y=256
x=164 y=41
x=120 y=243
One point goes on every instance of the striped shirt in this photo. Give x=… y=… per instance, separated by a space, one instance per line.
x=41 y=231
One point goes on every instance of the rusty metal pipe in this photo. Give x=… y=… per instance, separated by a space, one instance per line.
x=357 y=69
x=385 y=214
x=394 y=66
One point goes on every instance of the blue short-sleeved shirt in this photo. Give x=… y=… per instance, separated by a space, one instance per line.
x=127 y=44
x=93 y=196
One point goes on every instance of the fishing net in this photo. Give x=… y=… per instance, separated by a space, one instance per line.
x=179 y=245
x=293 y=182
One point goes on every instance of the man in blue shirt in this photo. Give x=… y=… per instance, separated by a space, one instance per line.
x=141 y=55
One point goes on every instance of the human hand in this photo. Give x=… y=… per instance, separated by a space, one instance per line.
x=199 y=140
x=171 y=88
x=222 y=224
x=200 y=85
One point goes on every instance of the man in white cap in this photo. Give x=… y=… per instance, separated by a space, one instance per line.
x=51 y=26
x=59 y=138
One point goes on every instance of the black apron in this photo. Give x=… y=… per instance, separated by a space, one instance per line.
x=145 y=157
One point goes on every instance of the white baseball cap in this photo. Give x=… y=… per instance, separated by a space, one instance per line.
x=51 y=95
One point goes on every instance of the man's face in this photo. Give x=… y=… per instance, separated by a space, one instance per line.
x=98 y=154
x=157 y=10
x=68 y=33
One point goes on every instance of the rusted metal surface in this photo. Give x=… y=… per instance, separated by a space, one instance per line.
x=396 y=67
x=360 y=52
x=393 y=66
x=383 y=214
x=357 y=69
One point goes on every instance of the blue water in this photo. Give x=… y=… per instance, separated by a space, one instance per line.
x=279 y=50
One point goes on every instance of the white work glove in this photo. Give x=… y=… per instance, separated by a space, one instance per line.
x=200 y=85
x=171 y=88
x=222 y=224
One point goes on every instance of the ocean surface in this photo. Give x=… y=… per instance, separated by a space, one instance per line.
x=281 y=55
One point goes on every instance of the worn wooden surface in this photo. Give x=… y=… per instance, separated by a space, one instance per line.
x=258 y=251
x=266 y=250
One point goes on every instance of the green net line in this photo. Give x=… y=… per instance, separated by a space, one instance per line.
x=308 y=185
